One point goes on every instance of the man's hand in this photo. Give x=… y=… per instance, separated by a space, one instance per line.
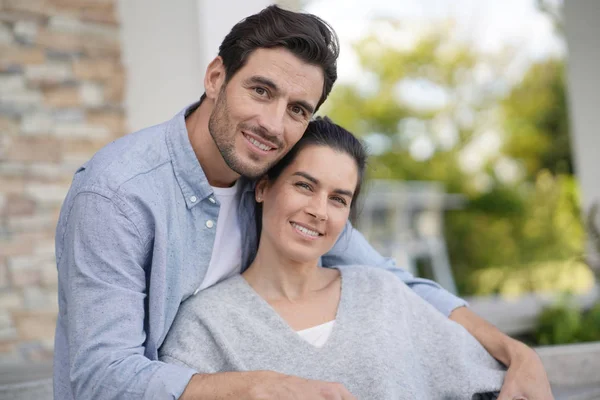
x=526 y=377
x=278 y=386
x=261 y=385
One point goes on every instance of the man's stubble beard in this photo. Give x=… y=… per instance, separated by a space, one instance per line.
x=220 y=128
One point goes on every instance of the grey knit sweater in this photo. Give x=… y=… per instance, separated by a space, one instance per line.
x=387 y=343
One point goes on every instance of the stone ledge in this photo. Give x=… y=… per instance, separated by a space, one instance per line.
x=573 y=365
x=576 y=393
x=519 y=316
x=25 y=381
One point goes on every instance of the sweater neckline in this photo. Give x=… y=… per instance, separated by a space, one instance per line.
x=276 y=321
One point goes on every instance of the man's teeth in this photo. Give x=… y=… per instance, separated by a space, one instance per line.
x=258 y=144
x=306 y=231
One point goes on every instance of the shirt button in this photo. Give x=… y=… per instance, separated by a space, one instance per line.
x=210 y=224
x=196 y=291
x=212 y=199
x=193 y=199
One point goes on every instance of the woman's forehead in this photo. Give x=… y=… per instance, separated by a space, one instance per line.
x=326 y=164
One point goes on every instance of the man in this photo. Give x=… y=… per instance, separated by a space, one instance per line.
x=160 y=214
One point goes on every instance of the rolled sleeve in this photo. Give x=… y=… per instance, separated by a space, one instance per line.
x=353 y=249
x=168 y=382
x=101 y=271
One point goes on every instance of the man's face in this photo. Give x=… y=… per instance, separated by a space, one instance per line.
x=264 y=110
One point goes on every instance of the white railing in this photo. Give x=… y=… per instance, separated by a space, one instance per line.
x=405 y=220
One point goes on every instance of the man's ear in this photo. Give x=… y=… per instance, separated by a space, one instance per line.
x=214 y=78
x=261 y=189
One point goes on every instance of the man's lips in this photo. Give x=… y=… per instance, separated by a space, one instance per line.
x=261 y=141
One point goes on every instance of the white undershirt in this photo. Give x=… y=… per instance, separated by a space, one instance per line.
x=226 y=259
x=317 y=335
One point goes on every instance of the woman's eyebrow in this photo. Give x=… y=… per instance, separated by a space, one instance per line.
x=314 y=180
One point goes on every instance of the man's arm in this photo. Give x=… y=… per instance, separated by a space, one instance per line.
x=353 y=249
x=261 y=385
x=526 y=377
x=525 y=374
x=103 y=284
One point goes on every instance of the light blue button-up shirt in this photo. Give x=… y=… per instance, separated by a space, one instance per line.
x=134 y=240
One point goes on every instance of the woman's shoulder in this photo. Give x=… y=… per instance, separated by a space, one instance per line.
x=365 y=271
x=371 y=278
x=215 y=299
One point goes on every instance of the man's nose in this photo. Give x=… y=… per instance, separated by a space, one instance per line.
x=272 y=118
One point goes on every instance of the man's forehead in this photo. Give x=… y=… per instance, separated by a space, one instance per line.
x=289 y=72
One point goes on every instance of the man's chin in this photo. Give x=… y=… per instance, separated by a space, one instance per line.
x=251 y=171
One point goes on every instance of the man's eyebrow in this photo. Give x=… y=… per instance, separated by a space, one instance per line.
x=314 y=180
x=261 y=80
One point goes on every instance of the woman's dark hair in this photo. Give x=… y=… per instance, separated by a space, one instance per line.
x=324 y=132
x=320 y=132
x=307 y=36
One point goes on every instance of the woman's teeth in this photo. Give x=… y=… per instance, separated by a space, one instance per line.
x=305 y=230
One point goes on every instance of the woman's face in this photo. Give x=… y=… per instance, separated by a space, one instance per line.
x=306 y=208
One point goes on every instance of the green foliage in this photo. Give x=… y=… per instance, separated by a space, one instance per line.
x=540 y=277
x=563 y=323
x=512 y=224
x=590 y=325
x=537 y=123
x=515 y=227
x=558 y=325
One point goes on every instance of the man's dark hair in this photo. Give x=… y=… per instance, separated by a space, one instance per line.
x=305 y=35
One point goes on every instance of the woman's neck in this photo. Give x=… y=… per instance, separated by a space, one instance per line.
x=275 y=277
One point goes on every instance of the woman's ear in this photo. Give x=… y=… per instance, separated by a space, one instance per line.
x=260 y=189
x=214 y=78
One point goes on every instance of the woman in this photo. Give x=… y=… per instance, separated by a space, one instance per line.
x=358 y=326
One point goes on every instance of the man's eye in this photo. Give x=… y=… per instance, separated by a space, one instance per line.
x=298 y=110
x=260 y=91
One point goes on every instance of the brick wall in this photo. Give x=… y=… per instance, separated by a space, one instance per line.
x=61 y=93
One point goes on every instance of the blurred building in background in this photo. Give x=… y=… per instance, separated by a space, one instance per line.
x=62 y=86
x=75 y=75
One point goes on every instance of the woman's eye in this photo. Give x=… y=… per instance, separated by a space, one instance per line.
x=340 y=200
x=303 y=185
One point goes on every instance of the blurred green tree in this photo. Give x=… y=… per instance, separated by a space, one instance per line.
x=437 y=110
x=537 y=123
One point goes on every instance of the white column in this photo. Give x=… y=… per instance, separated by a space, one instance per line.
x=217 y=17
x=582 y=28
x=161 y=52
x=166 y=46
x=294 y=5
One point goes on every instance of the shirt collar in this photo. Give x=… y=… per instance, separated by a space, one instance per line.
x=188 y=172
